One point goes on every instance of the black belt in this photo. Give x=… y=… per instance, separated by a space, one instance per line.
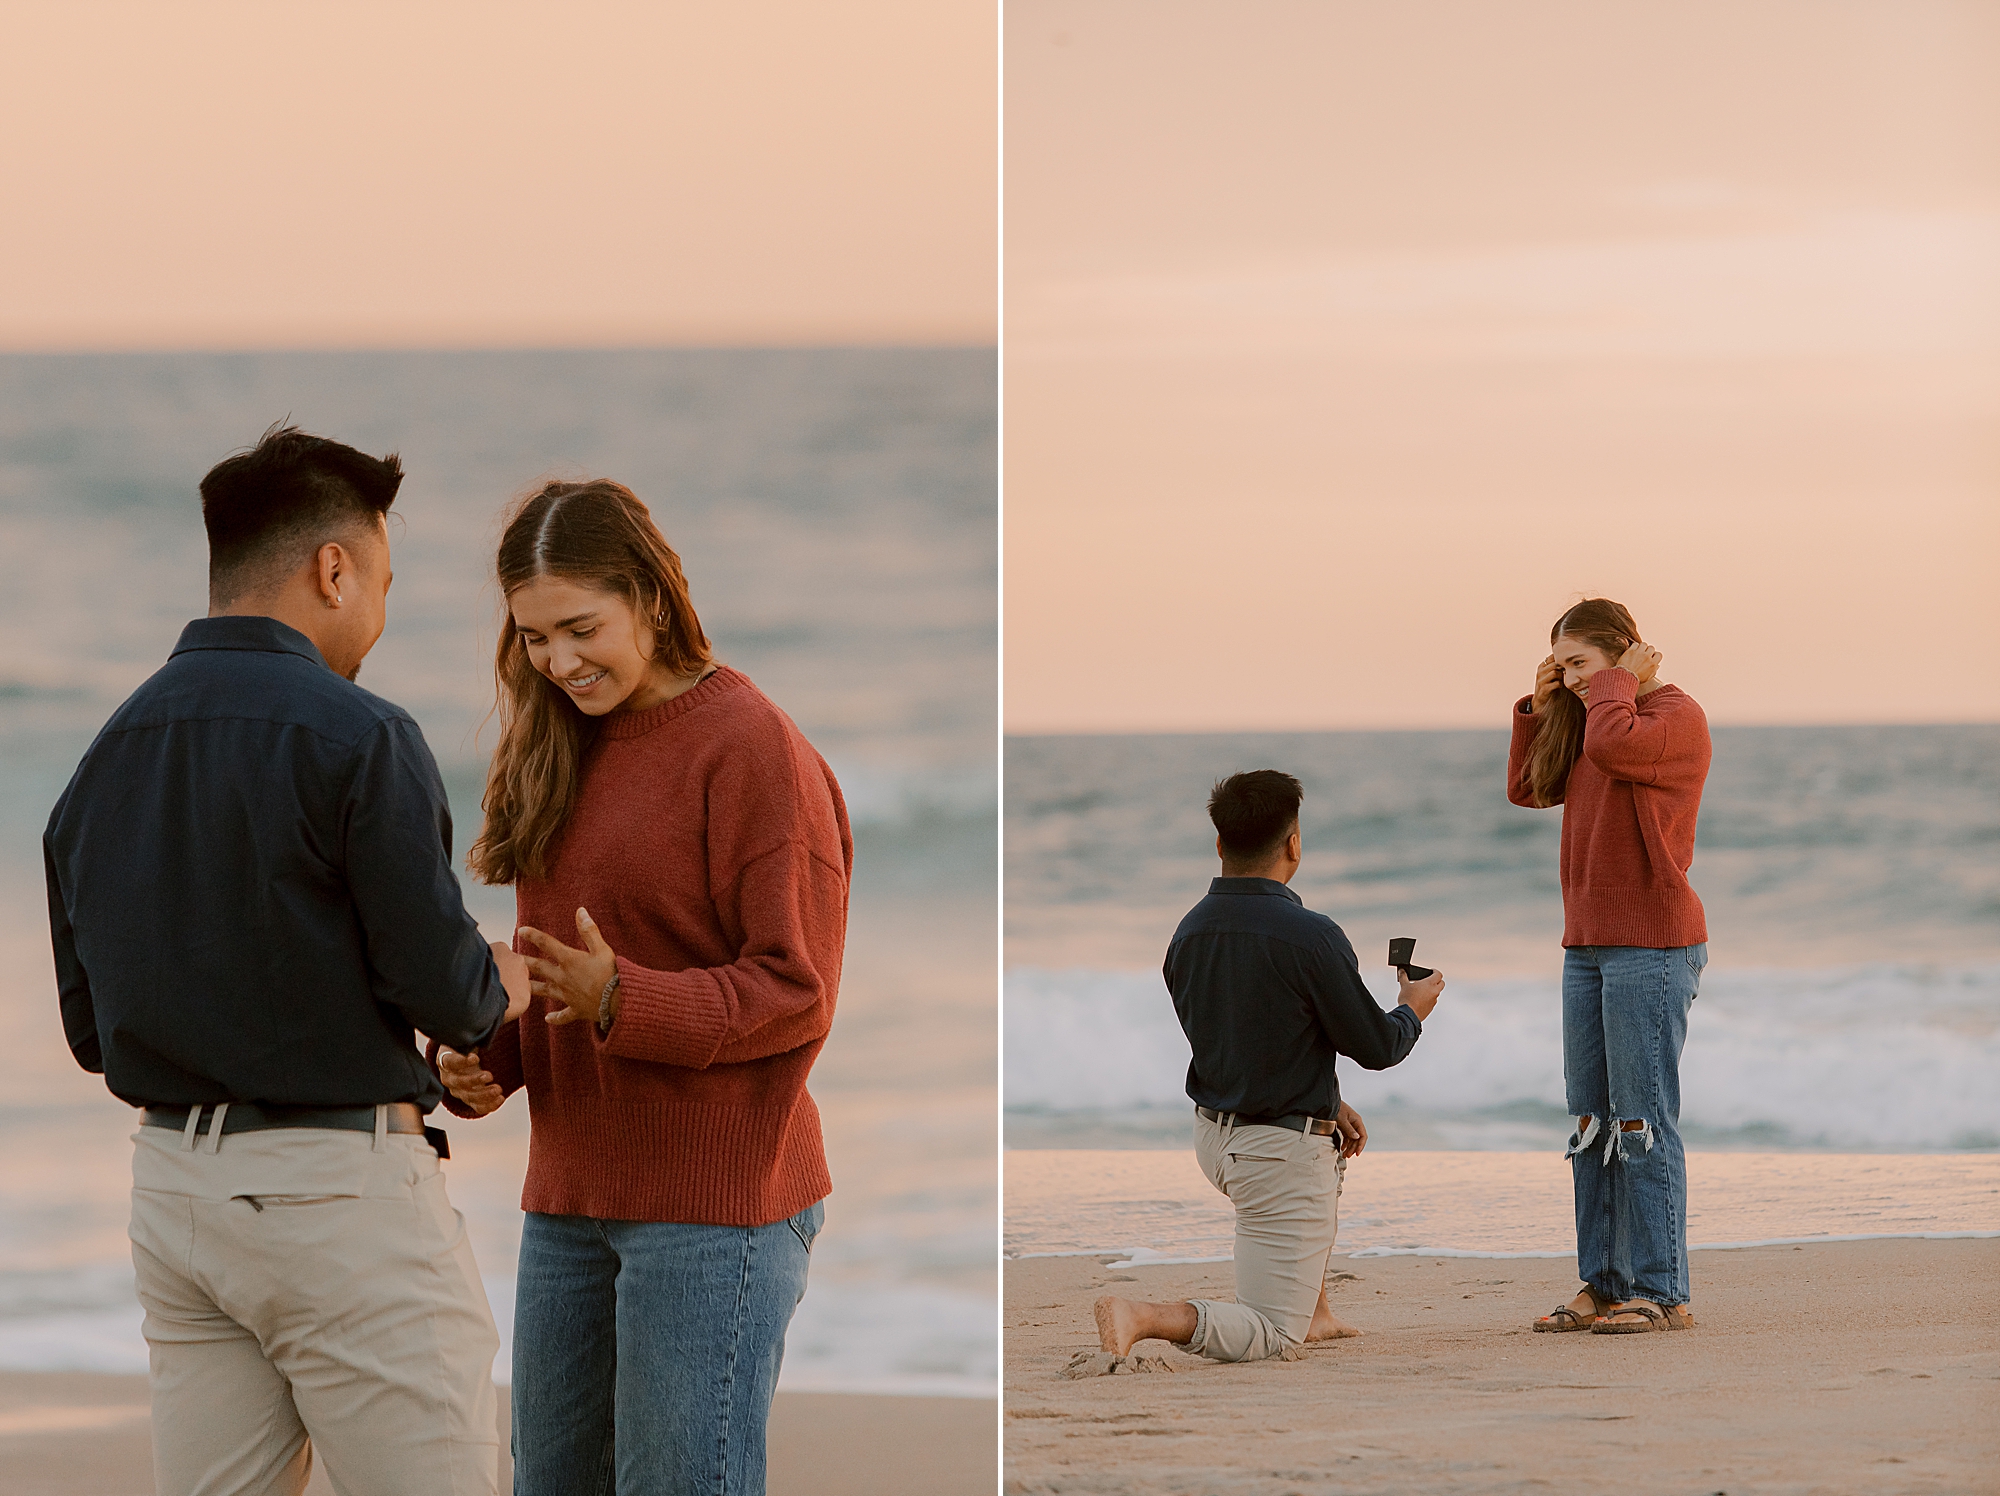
x=1295 y=1121
x=250 y=1116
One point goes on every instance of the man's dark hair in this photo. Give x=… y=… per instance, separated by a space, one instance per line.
x=268 y=509
x=1254 y=812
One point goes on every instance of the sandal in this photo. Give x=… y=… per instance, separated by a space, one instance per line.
x=1651 y=1317
x=1563 y=1319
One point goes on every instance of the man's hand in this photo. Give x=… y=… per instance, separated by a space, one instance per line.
x=574 y=978
x=513 y=977
x=1548 y=680
x=1353 y=1131
x=1420 y=996
x=470 y=1084
x=1642 y=660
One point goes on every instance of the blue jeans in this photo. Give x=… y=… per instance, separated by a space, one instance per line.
x=1625 y=1011
x=646 y=1353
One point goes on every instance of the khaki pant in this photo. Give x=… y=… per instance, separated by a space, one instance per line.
x=1285 y=1186
x=345 y=1314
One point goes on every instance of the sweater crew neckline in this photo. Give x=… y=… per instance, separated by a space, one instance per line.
x=638 y=724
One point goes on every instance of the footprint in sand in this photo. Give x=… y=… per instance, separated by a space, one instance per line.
x=1105 y=1364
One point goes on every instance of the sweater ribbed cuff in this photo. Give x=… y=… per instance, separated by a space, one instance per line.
x=667 y=1017
x=1614 y=683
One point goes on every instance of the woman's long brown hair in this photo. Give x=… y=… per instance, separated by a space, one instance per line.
x=599 y=535
x=1559 y=725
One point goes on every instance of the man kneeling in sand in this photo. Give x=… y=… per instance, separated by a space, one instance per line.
x=1268 y=993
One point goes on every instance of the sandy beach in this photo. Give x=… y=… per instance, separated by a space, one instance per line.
x=1838 y=1367
x=81 y=1434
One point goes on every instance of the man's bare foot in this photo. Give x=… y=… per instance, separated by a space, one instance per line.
x=1327 y=1326
x=1117 y=1324
x=1123 y=1323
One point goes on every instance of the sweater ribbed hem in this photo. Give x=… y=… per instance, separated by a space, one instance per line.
x=663 y=1163
x=1645 y=918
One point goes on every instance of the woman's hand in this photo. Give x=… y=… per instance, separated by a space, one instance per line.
x=1548 y=680
x=474 y=1087
x=513 y=977
x=1642 y=660
x=574 y=978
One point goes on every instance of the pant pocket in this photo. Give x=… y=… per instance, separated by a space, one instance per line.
x=807 y=1223
x=299 y=1203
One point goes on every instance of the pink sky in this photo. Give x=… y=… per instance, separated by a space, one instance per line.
x=231 y=173
x=1347 y=343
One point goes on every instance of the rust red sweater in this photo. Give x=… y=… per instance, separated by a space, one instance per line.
x=710 y=843
x=1628 y=814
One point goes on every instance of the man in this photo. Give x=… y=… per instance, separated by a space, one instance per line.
x=253 y=908
x=1268 y=993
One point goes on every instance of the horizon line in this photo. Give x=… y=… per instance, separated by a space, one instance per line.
x=1220 y=732
x=699 y=346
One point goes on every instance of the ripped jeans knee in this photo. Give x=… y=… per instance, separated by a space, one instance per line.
x=1581 y=1136
x=1624 y=1138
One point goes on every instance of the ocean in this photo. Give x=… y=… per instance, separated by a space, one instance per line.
x=1850 y=1010
x=836 y=514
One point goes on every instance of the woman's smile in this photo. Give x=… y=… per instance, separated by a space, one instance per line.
x=557 y=619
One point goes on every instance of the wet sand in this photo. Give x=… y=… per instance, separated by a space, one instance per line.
x=1837 y=1367
x=81 y=1434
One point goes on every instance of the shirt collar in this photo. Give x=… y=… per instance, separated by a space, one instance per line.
x=249 y=632
x=1253 y=885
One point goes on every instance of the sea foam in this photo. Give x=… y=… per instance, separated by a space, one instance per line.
x=1888 y=1057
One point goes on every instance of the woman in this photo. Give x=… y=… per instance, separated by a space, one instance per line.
x=680 y=858
x=1626 y=755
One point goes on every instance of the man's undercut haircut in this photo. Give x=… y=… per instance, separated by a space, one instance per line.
x=1254 y=813
x=269 y=509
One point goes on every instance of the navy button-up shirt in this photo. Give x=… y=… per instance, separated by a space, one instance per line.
x=1268 y=993
x=250 y=887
